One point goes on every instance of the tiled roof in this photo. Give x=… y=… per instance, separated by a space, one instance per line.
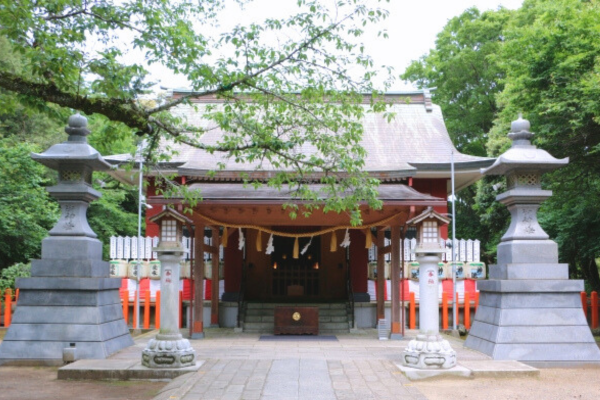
x=228 y=191
x=414 y=143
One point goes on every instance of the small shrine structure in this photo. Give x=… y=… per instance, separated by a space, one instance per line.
x=269 y=258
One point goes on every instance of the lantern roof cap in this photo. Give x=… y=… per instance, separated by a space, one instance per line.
x=74 y=150
x=170 y=213
x=522 y=154
x=429 y=213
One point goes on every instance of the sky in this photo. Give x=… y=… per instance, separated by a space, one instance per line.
x=412 y=27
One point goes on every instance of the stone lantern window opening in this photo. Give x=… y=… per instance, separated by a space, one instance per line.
x=429 y=232
x=169 y=231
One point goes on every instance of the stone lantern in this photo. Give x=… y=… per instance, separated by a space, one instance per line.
x=529 y=309
x=70 y=307
x=429 y=350
x=169 y=349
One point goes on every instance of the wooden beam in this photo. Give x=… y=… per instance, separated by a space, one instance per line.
x=211 y=249
x=384 y=250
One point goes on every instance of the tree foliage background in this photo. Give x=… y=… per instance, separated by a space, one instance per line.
x=285 y=83
x=542 y=60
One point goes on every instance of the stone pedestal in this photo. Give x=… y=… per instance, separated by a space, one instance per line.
x=169 y=349
x=529 y=310
x=429 y=350
x=70 y=308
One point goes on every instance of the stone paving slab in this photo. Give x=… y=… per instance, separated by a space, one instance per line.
x=415 y=374
x=499 y=369
x=120 y=369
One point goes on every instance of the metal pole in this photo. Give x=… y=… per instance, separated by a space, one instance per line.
x=139 y=262
x=454 y=299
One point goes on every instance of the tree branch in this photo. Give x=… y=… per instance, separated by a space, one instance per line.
x=120 y=110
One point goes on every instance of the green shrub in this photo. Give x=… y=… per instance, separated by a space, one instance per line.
x=9 y=275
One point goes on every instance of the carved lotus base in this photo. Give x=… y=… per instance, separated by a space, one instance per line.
x=168 y=354
x=429 y=352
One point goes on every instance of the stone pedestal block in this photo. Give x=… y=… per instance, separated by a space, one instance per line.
x=532 y=320
x=529 y=310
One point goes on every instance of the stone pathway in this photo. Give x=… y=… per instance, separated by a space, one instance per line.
x=354 y=367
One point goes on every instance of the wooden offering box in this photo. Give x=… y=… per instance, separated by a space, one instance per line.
x=291 y=320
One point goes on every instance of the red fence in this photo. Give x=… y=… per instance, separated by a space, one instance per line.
x=150 y=307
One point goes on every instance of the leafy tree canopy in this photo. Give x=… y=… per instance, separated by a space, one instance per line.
x=286 y=82
x=542 y=60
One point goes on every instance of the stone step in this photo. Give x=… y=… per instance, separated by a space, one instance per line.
x=260 y=318
x=333 y=331
x=249 y=326
x=333 y=326
x=322 y=306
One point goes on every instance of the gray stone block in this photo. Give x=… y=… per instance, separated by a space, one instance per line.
x=67 y=314
x=530 y=316
x=67 y=267
x=527 y=252
x=71 y=248
x=526 y=335
x=57 y=283
x=548 y=352
x=66 y=332
x=68 y=297
x=529 y=271
x=529 y=286
x=529 y=300
x=50 y=352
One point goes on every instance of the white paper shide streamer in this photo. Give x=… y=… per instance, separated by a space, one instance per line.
x=346 y=241
x=242 y=241
x=270 y=247
x=305 y=248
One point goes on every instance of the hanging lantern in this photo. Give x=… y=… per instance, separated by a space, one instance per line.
x=333 y=244
x=296 y=249
x=259 y=241
x=224 y=237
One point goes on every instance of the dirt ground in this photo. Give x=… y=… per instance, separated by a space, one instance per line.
x=34 y=383
x=552 y=384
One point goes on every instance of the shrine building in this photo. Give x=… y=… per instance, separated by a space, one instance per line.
x=265 y=258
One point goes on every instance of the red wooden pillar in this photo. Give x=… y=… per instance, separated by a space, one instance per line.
x=395 y=272
x=584 y=302
x=214 y=300
x=126 y=306
x=359 y=265
x=412 y=311
x=157 y=310
x=467 y=310
x=147 y=309
x=233 y=259
x=7 y=307
x=198 y=276
x=594 y=299
x=380 y=274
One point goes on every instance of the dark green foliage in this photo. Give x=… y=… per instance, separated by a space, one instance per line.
x=26 y=210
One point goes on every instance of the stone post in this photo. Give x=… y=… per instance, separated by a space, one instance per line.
x=169 y=349
x=429 y=350
x=70 y=308
x=529 y=310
